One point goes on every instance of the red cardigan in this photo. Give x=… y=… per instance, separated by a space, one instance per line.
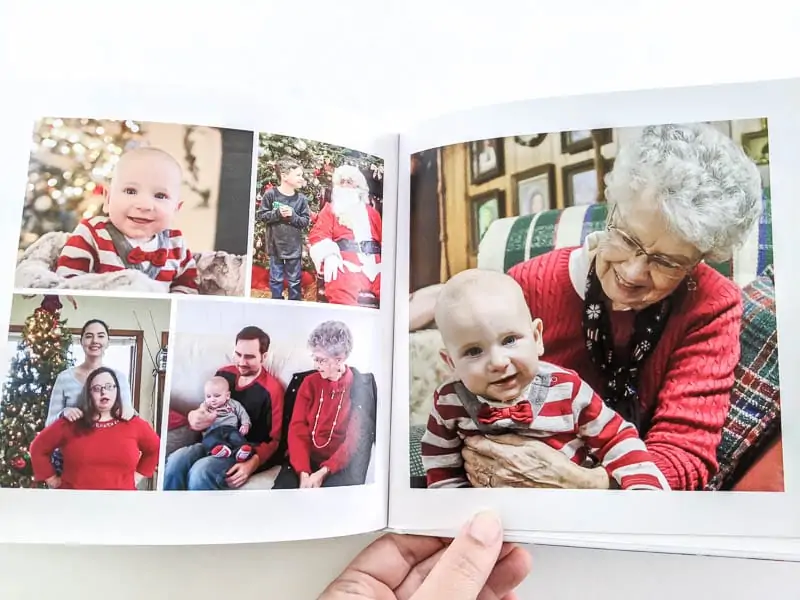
x=99 y=459
x=685 y=383
x=304 y=456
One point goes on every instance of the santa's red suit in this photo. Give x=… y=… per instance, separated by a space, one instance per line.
x=351 y=241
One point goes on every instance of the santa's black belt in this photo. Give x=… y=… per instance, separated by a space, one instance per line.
x=370 y=247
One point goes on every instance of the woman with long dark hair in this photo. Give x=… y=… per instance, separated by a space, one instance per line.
x=101 y=451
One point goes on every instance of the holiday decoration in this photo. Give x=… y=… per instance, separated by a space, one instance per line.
x=318 y=161
x=71 y=163
x=42 y=353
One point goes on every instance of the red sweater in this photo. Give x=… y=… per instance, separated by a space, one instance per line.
x=98 y=459
x=685 y=383
x=304 y=455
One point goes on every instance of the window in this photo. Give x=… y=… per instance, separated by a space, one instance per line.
x=121 y=355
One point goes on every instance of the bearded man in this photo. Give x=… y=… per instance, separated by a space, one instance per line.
x=345 y=242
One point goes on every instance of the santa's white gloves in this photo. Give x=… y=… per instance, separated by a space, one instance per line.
x=331 y=266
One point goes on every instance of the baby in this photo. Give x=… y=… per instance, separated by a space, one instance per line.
x=500 y=386
x=225 y=436
x=142 y=200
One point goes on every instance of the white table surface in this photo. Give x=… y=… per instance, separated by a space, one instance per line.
x=412 y=58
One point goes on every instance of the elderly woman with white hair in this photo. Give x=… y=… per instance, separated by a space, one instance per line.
x=637 y=312
x=332 y=429
x=345 y=242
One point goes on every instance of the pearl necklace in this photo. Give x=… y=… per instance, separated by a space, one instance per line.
x=335 y=419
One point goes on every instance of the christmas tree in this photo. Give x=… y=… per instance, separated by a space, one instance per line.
x=318 y=160
x=42 y=353
x=71 y=162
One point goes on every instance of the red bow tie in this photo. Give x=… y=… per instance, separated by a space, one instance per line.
x=156 y=257
x=520 y=412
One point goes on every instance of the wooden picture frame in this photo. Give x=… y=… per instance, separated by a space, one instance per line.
x=486 y=160
x=569 y=187
x=756 y=145
x=527 y=185
x=580 y=140
x=494 y=204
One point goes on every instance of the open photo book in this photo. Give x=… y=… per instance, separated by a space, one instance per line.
x=233 y=321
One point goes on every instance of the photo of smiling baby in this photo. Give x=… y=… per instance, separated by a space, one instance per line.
x=132 y=206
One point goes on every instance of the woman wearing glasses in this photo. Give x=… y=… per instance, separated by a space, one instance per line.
x=637 y=312
x=100 y=450
x=333 y=422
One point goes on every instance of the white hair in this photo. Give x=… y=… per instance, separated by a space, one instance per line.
x=354 y=173
x=706 y=187
x=332 y=337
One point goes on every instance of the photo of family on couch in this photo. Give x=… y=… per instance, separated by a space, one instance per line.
x=612 y=327
x=80 y=404
x=136 y=206
x=275 y=398
x=318 y=223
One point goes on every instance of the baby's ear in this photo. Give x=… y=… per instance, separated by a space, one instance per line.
x=538 y=328
x=105 y=199
x=443 y=354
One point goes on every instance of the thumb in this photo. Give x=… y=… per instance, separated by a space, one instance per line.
x=467 y=563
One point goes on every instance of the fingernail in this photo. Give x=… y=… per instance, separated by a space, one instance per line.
x=485 y=528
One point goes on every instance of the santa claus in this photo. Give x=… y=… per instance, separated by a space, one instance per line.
x=345 y=242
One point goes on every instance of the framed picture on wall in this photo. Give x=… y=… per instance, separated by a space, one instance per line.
x=534 y=189
x=580 y=140
x=486 y=159
x=580 y=183
x=756 y=146
x=484 y=209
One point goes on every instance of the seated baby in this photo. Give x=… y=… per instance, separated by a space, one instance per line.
x=140 y=204
x=225 y=436
x=493 y=346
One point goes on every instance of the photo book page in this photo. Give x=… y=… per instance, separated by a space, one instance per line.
x=199 y=312
x=595 y=285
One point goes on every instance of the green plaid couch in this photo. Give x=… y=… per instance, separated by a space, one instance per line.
x=754 y=417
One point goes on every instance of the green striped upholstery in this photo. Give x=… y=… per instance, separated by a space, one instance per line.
x=512 y=240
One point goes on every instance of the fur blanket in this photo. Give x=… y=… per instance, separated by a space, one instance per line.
x=218 y=273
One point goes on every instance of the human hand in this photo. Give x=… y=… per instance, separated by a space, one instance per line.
x=331 y=267
x=244 y=428
x=511 y=460
x=201 y=418
x=72 y=414
x=317 y=477
x=477 y=564
x=286 y=211
x=53 y=482
x=137 y=478
x=239 y=473
x=305 y=481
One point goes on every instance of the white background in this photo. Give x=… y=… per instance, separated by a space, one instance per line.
x=405 y=59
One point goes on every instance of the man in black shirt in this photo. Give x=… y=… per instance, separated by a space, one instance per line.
x=285 y=211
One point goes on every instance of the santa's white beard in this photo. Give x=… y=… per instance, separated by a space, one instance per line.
x=344 y=200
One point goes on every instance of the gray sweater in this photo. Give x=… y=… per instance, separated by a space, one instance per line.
x=230 y=414
x=67 y=393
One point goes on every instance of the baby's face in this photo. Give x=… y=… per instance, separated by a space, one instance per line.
x=144 y=195
x=216 y=395
x=493 y=347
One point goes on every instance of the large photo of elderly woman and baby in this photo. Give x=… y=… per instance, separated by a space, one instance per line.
x=267 y=397
x=82 y=392
x=595 y=310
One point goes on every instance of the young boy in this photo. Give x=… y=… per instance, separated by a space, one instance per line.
x=225 y=436
x=142 y=200
x=285 y=212
x=500 y=386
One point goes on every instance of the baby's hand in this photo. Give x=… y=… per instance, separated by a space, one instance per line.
x=244 y=429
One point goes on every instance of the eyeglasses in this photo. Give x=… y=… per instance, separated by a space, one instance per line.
x=108 y=387
x=324 y=361
x=659 y=263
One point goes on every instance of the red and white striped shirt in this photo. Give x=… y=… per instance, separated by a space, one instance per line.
x=567 y=416
x=90 y=250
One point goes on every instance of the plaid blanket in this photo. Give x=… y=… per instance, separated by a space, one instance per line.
x=754 y=416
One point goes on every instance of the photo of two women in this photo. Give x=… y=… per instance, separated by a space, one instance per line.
x=82 y=392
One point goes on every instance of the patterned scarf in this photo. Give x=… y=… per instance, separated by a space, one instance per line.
x=621 y=373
